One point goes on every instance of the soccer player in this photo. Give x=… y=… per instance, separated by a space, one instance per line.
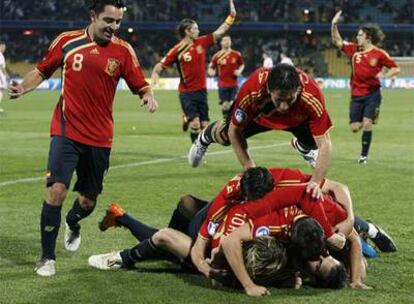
x=281 y=98
x=189 y=55
x=229 y=65
x=368 y=60
x=281 y=224
x=3 y=72
x=92 y=61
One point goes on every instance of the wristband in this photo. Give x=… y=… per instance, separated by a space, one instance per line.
x=230 y=20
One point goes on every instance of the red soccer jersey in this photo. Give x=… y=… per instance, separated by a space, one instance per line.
x=226 y=63
x=365 y=67
x=279 y=223
x=253 y=103
x=90 y=74
x=230 y=196
x=190 y=59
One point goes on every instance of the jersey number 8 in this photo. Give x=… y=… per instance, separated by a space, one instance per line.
x=77 y=62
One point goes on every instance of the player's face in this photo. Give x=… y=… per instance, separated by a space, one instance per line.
x=193 y=31
x=361 y=38
x=323 y=266
x=107 y=23
x=226 y=42
x=283 y=100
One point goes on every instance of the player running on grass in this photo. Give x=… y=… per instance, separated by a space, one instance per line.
x=228 y=64
x=92 y=61
x=368 y=60
x=189 y=55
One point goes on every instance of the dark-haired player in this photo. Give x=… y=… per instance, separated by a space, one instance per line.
x=92 y=61
x=189 y=55
x=368 y=61
x=229 y=64
x=281 y=98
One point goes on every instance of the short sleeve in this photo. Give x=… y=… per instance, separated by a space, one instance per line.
x=53 y=58
x=349 y=48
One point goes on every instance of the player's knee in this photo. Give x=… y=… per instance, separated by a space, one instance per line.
x=57 y=194
x=355 y=126
x=367 y=125
x=226 y=105
x=204 y=124
x=195 y=124
x=162 y=238
x=87 y=202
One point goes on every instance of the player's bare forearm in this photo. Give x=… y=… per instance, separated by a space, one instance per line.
x=211 y=72
x=336 y=37
x=198 y=254
x=155 y=75
x=342 y=196
x=239 y=144
x=393 y=72
x=232 y=248
x=29 y=83
x=324 y=158
x=357 y=265
x=225 y=26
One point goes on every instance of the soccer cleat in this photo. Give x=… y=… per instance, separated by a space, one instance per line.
x=185 y=123
x=310 y=157
x=106 y=261
x=45 y=267
x=383 y=241
x=109 y=220
x=367 y=249
x=363 y=160
x=197 y=152
x=72 y=239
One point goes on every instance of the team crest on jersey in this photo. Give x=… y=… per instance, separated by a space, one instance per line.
x=199 y=49
x=240 y=116
x=212 y=228
x=262 y=231
x=373 y=62
x=112 y=66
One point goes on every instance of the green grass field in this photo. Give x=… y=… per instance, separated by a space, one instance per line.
x=150 y=173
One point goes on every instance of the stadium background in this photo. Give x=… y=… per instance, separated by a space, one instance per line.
x=147 y=178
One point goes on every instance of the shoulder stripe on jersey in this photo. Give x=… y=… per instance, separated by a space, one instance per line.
x=182 y=51
x=250 y=98
x=74 y=44
x=312 y=106
x=288 y=181
x=312 y=100
x=222 y=56
x=309 y=99
x=382 y=51
x=217 y=54
x=64 y=34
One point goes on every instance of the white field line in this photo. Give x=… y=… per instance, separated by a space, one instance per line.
x=143 y=163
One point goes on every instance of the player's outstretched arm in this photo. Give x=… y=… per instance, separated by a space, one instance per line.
x=343 y=197
x=232 y=248
x=223 y=28
x=358 y=271
x=322 y=163
x=336 y=37
x=149 y=100
x=29 y=83
x=239 y=144
x=155 y=75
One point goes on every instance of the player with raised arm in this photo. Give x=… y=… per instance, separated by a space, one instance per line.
x=229 y=65
x=368 y=60
x=92 y=61
x=3 y=72
x=189 y=56
x=281 y=98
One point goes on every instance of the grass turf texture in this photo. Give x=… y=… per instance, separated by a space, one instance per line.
x=382 y=191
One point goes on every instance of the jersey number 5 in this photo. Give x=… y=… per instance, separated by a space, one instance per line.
x=77 y=62
x=358 y=58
